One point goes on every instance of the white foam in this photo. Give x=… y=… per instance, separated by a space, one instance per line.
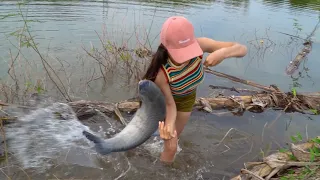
x=38 y=137
x=156 y=146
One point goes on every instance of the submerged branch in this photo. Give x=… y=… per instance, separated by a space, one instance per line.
x=238 y=90
x=236 y=79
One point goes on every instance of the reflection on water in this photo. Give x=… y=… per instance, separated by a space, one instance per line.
x=305 y=4
x=268 y=27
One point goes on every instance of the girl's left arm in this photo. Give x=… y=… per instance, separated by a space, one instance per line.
x=220 y=50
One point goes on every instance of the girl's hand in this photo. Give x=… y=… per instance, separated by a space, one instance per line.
x=215 y=58
x=166 y=132
x=220 y=50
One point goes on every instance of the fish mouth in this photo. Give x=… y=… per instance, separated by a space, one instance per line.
x=143 y=84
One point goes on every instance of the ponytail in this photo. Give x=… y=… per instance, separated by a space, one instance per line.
x=158 y=59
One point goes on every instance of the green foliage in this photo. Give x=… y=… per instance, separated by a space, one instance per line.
x=296 y=138
x=314 y=111
x=312 y=4
x=125 y=56
x=38 y=87
x=294 y=92
x=314 y=151
x=305 y=172
x=110 y=47
x=282 y=150
x=296 y=25
x=292 y=157
x=316 y=140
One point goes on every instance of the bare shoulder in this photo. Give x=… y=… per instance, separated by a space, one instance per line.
x=210 y=45
x=161 y=79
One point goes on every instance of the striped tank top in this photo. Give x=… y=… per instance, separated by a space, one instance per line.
x=184 y=79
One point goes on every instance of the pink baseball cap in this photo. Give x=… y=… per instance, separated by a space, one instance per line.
x=177 y=35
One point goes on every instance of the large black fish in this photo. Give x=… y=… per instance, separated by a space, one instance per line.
x=143 y=125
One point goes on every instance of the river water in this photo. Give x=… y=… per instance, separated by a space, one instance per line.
x=63 y=28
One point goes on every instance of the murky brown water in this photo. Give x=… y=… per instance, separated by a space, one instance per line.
x=67 y=26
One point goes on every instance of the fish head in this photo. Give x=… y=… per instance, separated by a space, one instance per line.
x=149 y=91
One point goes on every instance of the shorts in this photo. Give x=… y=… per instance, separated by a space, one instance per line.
x=185 y=103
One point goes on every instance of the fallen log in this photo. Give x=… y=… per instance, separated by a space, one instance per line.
x=303 y=103
x=307 y=45
x=290 y=164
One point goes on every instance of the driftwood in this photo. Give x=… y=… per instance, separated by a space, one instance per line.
x=307 y=45
x=277 y=164
x=295 y=63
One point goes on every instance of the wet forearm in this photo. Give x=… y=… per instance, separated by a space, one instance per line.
x=171 y=114
x=237 y=50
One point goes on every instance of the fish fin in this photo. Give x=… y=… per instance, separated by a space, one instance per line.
x=92 y=137
x=156 y=133
x=99 y=143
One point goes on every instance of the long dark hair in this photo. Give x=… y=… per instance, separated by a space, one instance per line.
x=159 y=58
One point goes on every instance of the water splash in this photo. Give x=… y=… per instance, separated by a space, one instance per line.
x=40 y=136
x=155 y=146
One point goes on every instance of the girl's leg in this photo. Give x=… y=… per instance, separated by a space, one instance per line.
x=182 y=119
x=170 y=146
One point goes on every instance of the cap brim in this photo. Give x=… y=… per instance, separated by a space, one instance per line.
x=184 y=54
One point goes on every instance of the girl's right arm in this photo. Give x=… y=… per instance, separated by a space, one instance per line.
x=167 y=129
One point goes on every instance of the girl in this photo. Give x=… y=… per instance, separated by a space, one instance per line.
x=177 y=69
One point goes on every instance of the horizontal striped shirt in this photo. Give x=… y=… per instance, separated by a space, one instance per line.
x=184 y=79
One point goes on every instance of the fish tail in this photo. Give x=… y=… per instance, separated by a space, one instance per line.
x=100 y=145
x=92 y=137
